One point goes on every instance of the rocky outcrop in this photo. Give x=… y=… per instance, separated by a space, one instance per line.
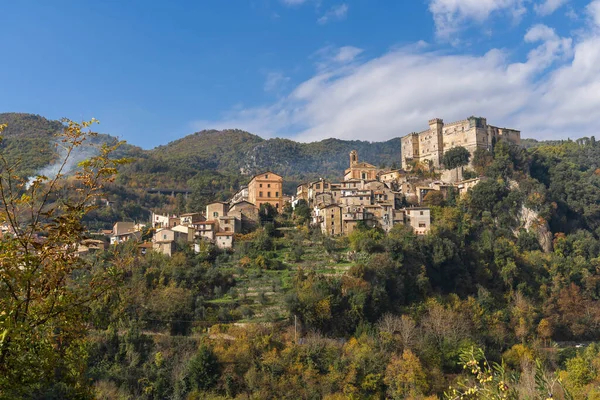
x=531 y=221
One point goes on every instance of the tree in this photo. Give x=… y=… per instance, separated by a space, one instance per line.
x=44 y=287
x=180 y=204
x=433 y=198
x=302 y=212
x=456 y=157
x=202 y=372
x=267 y=213
x=405 y=377
x=482 y=159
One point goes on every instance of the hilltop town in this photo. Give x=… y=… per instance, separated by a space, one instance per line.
x=365 y=196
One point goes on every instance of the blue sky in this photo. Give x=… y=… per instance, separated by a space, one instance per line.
x=154 y=71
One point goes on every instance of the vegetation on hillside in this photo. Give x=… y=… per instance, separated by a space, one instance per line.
x=500 y=300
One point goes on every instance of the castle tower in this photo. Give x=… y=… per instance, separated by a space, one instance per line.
x=353 y=158
x=436 y=145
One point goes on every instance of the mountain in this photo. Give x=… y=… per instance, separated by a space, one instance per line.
x=236 y=152
x=28 y=139
x=29 y=142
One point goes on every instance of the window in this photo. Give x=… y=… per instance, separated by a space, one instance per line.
x=215 y=214
x=420 y=212
x=326 y=186
x=266 y=176
x=260 y=185
x=276 y=194
x=422 y=225
x=268 y=185
x=164 y=237
x=226 y=229
x=268 y=194
x=260 y=194
x=318 y=186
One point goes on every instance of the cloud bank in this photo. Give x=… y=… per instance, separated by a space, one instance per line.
x=553 y=92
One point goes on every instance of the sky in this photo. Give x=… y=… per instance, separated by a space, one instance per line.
x=155 y=71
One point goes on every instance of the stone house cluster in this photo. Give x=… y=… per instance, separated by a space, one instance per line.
x=367 y=195
x=217 y=225
x=429 y=146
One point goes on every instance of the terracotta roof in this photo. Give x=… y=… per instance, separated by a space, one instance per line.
x=224 y=233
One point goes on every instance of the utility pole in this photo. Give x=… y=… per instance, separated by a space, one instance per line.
x=295 y=329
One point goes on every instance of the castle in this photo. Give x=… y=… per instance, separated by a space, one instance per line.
x=429 y=146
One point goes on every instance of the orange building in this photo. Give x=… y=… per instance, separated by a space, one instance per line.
x=360 y=170
x=266 y=188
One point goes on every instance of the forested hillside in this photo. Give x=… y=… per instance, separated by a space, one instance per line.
x=229 y=152
x=501 y=300
x=235 y=153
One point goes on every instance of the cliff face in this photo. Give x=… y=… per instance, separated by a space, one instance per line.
x=533 y=222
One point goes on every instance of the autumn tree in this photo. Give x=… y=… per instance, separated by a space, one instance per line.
x=45 y=287
x=405 y=377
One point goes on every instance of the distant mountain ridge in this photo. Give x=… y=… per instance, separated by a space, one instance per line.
x=237 y=151
x=233 y=153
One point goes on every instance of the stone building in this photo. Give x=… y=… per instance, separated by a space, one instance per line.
x=419 y=218
x=330 y=218
x=216 y=210
x=266 y=188
x=429 y=146
x=191 y=218
x=360 y=170
x=164 y=221
x=165 y=240
x=224 y=240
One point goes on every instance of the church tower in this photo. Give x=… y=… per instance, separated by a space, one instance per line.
x=353 y=158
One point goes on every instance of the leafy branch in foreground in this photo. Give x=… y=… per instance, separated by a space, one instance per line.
x=44 y=286
x=491 y=381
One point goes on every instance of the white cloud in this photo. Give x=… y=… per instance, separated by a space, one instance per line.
x=276 y=81
x=347 y=54
x=547 y=7
x=593 y=10
x=451 y=16
x=335 y=13
x=571 y=14
x=553 y=92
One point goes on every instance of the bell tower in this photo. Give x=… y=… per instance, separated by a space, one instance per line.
x=353 y=158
